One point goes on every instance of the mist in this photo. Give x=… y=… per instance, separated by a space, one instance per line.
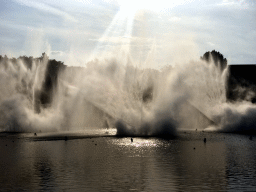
x=116 y=93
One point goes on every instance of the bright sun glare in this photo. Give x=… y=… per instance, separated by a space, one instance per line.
x=135 y=5
x=121 y=27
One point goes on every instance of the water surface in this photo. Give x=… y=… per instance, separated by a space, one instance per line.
x=104 y=162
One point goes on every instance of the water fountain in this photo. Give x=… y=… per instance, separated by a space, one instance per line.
x=47 y=96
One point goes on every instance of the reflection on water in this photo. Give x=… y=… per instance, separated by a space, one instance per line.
x=241 y=164
x=224 y=162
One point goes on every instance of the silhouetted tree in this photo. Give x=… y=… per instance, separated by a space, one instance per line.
x=45 y=95
x=50 y=82
x=217 y=58
x=27 y=61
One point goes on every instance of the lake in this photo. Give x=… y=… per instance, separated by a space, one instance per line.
x=97 y=160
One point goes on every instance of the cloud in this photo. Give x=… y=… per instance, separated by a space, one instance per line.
x=60 y=53
x=175 y=19
x=219 y=25
x=118 y=39
x=46 y=8
x=84 y=1
x=245 y=4
x=210 y=43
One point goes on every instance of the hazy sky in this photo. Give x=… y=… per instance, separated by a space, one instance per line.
x=166 y=32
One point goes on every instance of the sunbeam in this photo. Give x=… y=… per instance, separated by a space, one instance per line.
x=135 y=5
x=118 y=35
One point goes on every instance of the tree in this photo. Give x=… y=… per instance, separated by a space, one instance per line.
x=217 y=58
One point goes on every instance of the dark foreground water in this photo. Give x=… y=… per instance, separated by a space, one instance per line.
x=93 y=162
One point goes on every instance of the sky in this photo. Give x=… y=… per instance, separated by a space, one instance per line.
x=152 y=33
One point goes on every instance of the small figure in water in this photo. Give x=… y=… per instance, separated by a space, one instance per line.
x=35 y=134
x=131 y=139
x=205 y=140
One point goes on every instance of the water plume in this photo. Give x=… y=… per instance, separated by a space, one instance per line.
x=18 y=116
x=19 y=84
x=114 y=92
x=234 y=118
x=144 y=102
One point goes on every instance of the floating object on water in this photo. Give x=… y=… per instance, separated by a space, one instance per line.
x=194 y=148
x=205 y=140
x=35 y=134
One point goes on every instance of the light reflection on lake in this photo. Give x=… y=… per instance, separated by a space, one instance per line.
x=186 y=163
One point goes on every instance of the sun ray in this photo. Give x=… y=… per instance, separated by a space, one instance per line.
x=118 y=35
